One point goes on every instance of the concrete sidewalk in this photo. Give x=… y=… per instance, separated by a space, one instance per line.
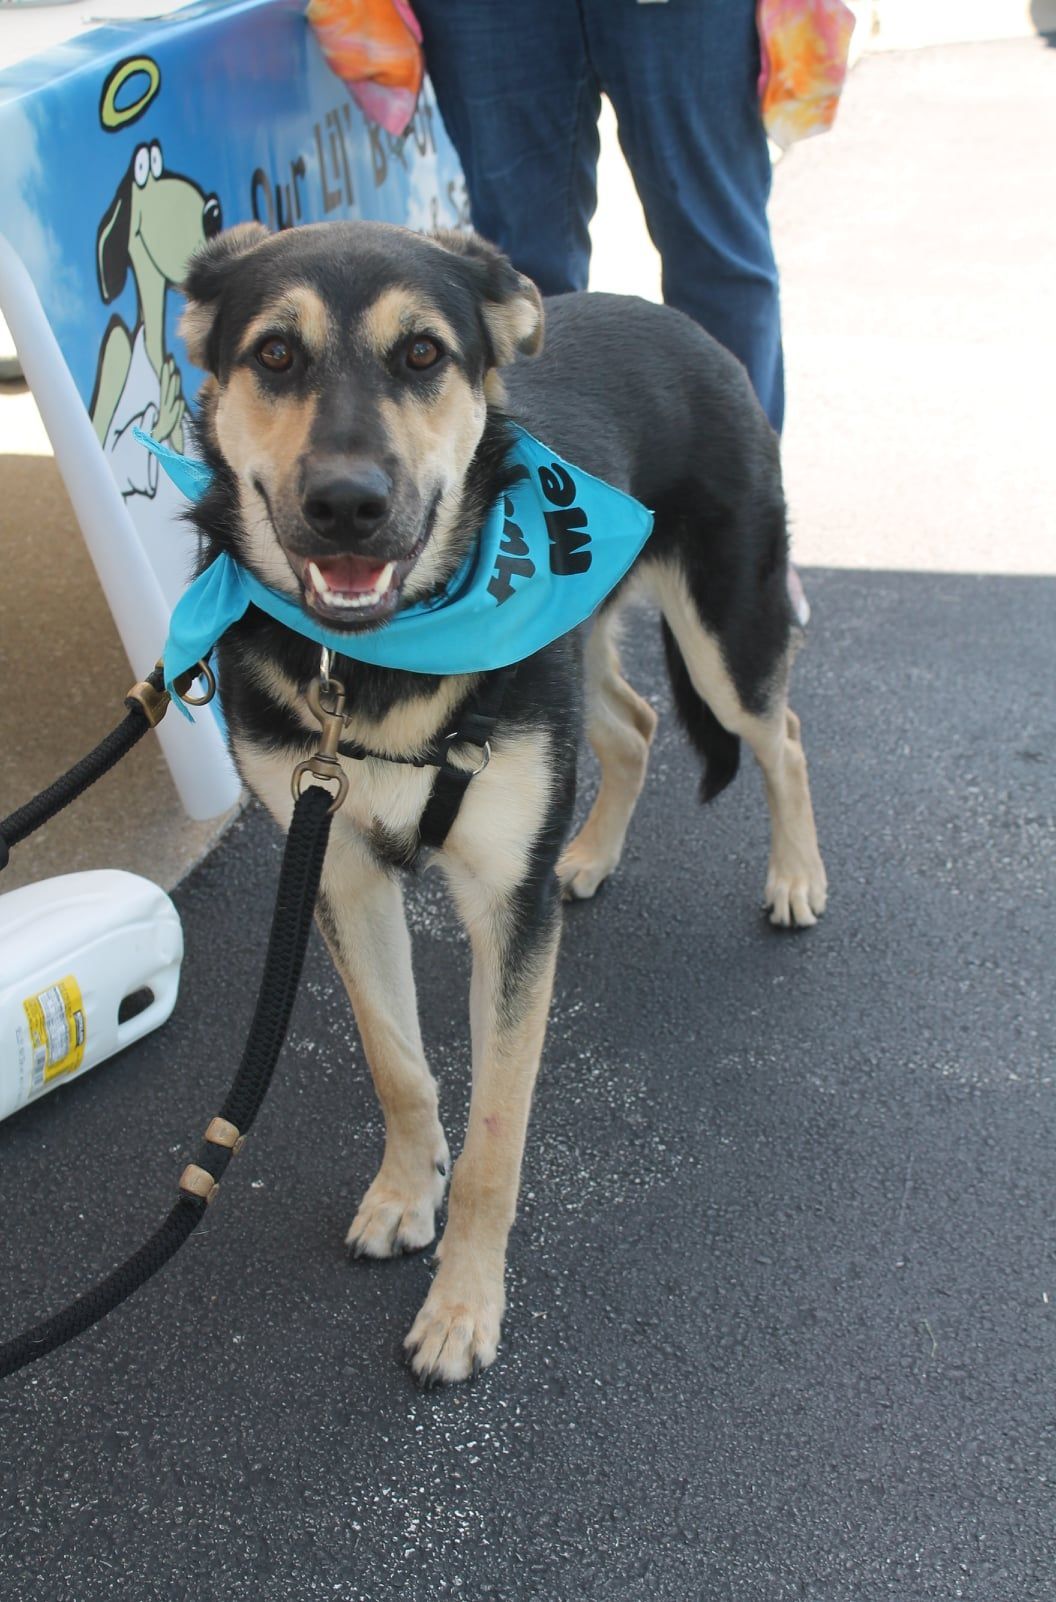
x=917 y=247
x=918 y=253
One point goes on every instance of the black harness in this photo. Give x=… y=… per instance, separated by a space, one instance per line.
x=474 y=725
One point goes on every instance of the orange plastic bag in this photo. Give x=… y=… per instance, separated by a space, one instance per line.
x=375 y=47
x=804 y=46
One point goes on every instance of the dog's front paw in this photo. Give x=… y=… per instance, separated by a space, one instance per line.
x=796 y=896
x=395 y=1216
x=456 y=1334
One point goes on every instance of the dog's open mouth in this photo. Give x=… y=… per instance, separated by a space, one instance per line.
x=359 y=591
x=353 y=590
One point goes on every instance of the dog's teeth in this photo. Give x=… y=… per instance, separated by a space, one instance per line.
x=318 y=580
x=351 y=602
x=368 y=598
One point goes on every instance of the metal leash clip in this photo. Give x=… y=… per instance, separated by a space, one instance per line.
x=326 y=699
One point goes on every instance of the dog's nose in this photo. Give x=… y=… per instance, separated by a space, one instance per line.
x=346 y=501
x=212 y=218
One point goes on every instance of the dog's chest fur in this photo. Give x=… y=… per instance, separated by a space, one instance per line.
x=501 y=815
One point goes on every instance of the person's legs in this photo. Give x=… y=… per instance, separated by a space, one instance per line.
x=521 y=104
x=682 y=78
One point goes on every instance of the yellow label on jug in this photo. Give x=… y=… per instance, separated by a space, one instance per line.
x=57 y=1029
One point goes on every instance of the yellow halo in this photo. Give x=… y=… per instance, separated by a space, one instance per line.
x=113 y=116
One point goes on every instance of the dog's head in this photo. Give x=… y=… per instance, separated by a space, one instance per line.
x=351 y=368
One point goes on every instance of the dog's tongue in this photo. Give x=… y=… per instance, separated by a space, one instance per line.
x=352 y=575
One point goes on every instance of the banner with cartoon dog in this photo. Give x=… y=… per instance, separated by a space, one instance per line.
x=125 y=149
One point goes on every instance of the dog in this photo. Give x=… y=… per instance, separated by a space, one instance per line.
x=151 y=227
x=356 y=416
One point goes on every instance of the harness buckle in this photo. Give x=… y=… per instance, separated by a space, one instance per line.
x=457 y=736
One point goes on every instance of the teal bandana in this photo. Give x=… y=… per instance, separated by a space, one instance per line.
x=550 y=550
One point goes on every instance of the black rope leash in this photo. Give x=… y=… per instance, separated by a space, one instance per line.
x=295 y=899
x=147 y=703
x=22 y=822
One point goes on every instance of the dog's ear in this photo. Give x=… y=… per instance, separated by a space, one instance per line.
x=511 y=305
x=208 y=272
x=111 y=242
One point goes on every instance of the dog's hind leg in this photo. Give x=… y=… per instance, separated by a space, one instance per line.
x=360 y=912
x=796 y=884
x=620 y=728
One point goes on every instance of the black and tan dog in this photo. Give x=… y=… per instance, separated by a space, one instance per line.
x=356 y=424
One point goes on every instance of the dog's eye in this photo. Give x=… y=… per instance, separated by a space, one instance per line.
x=275 y=354
x=422 y=352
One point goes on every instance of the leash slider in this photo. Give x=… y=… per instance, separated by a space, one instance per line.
x=195 y=1181
x=222 y=1133
x=202 y=1179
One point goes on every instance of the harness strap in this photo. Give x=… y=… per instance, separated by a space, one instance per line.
x=476 y=725
x=362 y=753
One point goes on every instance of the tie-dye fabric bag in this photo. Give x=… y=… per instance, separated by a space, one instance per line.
x=803 y=46
x=376 y=47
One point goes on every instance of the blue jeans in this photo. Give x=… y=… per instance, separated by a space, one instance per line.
x=519 y=86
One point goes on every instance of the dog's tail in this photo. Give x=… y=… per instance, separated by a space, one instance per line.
x=720 y=749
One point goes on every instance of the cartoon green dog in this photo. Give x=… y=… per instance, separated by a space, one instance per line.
x=154 y=222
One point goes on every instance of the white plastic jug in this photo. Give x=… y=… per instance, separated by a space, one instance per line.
x=89 y=962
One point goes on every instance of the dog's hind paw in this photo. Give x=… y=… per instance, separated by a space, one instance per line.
x=581 y=870
x=456 y=1333
x=392 y=1220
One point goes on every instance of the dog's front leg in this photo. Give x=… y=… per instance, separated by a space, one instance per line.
x=361 y=915
x=515 y=940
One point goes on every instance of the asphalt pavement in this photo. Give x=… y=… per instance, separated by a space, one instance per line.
x=781 y=1311
x=782 y=1286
